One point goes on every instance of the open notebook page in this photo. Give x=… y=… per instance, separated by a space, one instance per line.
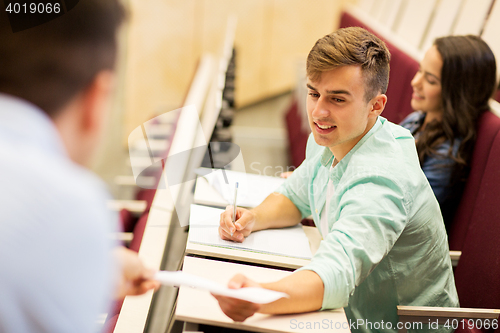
x=289 y=242
x=252 y=189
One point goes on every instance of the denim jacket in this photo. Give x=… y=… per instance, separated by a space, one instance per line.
x=438 y=167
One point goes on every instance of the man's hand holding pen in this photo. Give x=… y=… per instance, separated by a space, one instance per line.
x=242 y=227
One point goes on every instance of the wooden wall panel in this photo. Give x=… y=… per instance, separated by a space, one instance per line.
x=249 y=41
x=160 y=57
x=377 y=12
x=442 y=22
x=490 y=33
x=415 y=20
x=366 y=5
x=296 y=25
x=389 y=12
x=471 y=17
x=165 y=39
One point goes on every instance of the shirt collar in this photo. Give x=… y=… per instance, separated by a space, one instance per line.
x=327 y=156
x=23 y=122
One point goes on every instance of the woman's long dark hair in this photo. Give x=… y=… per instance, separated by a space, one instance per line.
x=468 y=80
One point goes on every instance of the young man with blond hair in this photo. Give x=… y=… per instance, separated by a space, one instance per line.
x=384 y=242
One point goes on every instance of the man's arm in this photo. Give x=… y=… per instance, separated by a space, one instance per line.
x=305 y=289
x=284 y=208
x=276 y=211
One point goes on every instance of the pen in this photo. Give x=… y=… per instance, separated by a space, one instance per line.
x=234 y=206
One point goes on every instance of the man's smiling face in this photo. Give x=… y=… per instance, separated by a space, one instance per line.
x=338 y=113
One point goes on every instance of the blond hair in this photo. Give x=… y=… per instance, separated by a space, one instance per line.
x=352 y=46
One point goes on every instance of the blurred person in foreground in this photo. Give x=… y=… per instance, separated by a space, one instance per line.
x=58 y=266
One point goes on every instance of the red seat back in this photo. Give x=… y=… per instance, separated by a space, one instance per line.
x=127 y=220
x=139 y=228
x=481 y=193
x=297 y=137
x=476 y=228
x=148 y=195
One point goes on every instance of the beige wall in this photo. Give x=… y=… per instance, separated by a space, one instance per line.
x=165 y=38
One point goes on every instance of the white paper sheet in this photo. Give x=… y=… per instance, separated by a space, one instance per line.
x=254 y=295
x=253 y=189
x=289 y=242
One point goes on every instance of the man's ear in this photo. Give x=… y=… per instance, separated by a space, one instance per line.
x=378 y=105
x=96 y=100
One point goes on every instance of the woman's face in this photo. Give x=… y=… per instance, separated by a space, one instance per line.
x=427 y=83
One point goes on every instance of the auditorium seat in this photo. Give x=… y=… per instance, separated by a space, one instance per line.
x=477 y=274
x=139 y=228
x=479 y=203
x=127 y=220
x=147 y=195
x=476 y=229
x=297 y=138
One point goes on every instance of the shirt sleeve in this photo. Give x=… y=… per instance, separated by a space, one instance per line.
x=372 y=216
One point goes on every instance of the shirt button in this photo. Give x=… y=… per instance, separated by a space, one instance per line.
x=316 y=211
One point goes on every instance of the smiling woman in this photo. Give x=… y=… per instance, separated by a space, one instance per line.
x=450 y=92
x=427 y=85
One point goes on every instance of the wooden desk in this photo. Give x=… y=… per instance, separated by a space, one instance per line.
x=199 y=307
x=164 y=239
x=257 y=258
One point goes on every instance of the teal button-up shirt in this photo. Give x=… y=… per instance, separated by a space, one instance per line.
x=386 y=244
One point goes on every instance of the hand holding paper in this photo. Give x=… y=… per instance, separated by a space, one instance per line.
x=134 y=277
x=253 y=295
x=235 y=309
x=204 y=223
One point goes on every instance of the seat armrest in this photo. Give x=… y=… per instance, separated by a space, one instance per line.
x=455 y=257
x=438 y=312
x=446 y=316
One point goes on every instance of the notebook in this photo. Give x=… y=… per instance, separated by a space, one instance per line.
x=216 y=187
x=288 y=242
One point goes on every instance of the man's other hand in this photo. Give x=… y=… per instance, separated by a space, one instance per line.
x=236 y=309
